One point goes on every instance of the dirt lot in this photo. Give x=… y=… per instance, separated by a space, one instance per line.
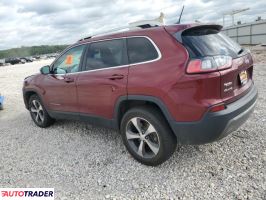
x=85 y=162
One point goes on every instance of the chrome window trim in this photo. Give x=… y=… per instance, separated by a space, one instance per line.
x=93 y=70
x=114 y=67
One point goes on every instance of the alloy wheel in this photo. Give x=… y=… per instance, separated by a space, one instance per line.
x=142 y=137
x=37 y=111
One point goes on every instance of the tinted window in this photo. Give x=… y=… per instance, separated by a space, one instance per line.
x=105 y=54
x=69 y=61
x=209 y=43
x=140 y=49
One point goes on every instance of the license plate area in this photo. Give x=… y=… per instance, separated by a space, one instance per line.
x=243 y=77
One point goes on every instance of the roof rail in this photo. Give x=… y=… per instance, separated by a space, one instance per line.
x=120 y=29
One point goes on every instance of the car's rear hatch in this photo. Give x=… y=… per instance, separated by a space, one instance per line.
x=236 y=81
x=206 y=41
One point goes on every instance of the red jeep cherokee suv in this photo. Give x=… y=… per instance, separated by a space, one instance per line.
x=159 y=86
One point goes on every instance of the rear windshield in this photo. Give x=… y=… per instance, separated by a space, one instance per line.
x=208 y=42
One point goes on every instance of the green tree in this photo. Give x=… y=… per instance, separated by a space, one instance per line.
x=31 y=51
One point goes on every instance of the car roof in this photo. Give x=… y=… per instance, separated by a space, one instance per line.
x=141 y=32
x=120 y=34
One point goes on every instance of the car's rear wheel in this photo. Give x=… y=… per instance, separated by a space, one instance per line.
x=38 y=112
x=147 y=135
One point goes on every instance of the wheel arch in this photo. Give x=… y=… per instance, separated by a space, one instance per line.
x=27 y=94
x=124 y=103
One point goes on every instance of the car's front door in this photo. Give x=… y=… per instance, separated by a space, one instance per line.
x=60 y=91
x=104 y=78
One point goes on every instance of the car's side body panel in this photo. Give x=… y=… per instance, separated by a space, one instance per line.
x=59 y=94
x=99 y=90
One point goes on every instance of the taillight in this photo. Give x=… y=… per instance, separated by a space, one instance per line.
x=209 y=64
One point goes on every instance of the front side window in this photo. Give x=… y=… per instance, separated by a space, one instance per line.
x=69 y=61
x=105 y=54
x=141 y=49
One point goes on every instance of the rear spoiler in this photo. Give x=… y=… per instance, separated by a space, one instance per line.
x=178 y=34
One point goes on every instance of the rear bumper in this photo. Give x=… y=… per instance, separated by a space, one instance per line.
x=216 y=125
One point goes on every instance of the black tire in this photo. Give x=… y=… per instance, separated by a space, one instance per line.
x=44 y=121
x=165 y=144
x=1 y=107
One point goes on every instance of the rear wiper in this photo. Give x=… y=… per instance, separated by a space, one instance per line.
x=240 y=51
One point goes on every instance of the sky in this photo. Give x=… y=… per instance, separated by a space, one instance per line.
x=48 y=22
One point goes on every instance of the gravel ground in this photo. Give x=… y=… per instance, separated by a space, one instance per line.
x=85 y=162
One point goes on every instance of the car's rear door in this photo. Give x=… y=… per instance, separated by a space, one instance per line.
x=60 y=91
x=104 y=78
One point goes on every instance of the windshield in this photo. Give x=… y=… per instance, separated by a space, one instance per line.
x=210 y=44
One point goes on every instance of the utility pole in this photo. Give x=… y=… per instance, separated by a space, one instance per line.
x=232 y=14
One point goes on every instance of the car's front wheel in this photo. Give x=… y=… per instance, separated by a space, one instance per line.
x=38 y=112
x=147 y=136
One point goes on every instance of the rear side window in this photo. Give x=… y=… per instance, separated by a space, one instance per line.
x=208 y=42
x=141 y=49
x=105 y=54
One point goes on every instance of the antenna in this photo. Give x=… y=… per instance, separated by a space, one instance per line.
x=179 y=20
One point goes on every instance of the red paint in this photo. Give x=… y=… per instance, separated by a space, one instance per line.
x=98 y=91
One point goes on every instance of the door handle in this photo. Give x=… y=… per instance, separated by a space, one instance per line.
x=116 y=76
x=68 y=79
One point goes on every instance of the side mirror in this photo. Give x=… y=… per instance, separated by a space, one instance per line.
x=45 y=69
